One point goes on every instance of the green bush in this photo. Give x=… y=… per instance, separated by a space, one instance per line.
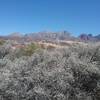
x=29 y=49
x=2 y=42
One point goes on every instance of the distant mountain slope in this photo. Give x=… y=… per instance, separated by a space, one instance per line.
x=51 y=36
x=15 y=34
x=89 y=37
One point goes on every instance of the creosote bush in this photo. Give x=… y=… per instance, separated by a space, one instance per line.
x=2 y=42
x=63 y=74
x=30 y=49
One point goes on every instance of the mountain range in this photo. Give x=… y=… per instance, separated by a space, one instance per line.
x=51 y=36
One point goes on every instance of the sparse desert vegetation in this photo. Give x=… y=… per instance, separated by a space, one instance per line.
x=71 y=73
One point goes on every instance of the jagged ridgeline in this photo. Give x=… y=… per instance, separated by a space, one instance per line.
x=52 y=36
x=64 y=35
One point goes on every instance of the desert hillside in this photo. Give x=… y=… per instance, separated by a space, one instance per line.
x=69 y=72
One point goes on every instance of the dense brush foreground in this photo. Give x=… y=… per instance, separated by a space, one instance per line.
x=62 y=74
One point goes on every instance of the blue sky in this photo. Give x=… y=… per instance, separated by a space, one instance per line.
x=26 y=16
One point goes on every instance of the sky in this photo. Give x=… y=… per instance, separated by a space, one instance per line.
x=26 y=16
